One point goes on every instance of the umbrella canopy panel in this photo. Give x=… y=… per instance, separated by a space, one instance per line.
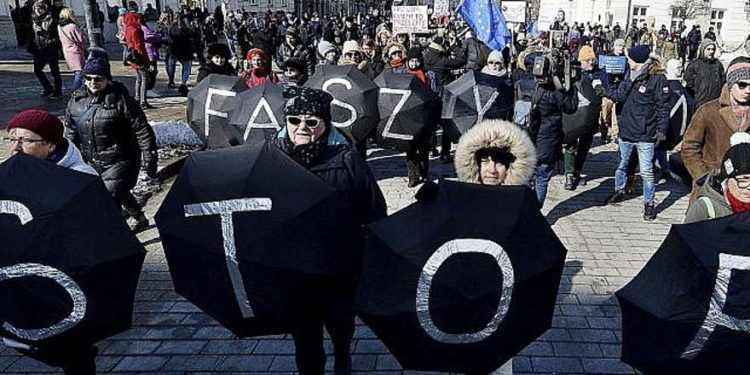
x=204 y=112
x=255 y=115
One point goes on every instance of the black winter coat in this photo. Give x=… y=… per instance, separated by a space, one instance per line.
x=585 y=120
x=442 y=64
x=546 y=128
x=211 y=68
x=44 y=36
x=645 y=107
x=114 y=137
x=181 y=43
x=705 y=78
x=300 y=52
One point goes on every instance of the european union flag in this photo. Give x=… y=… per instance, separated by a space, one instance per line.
x=486 y=19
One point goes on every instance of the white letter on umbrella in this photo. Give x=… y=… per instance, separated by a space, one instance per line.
x=40 y=270
x=716 y=315
x=251 y=124
x=347 y=106
x=405 y=94
x=429 y=270
x=482 y=109
x=207 y=109
x=225 y=209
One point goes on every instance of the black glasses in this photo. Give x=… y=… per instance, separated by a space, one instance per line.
x=21 y=140
x=311 y=123
x=743 y=85
x=397 y=53
x=494 y=63
x=743 y=183
x=351 y=54
x=95 y=79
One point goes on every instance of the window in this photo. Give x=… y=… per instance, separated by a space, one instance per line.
x=253 y=2
x=717 y=19
x=283 y=3
x=639 y=15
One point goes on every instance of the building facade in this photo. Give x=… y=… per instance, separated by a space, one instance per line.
x=730 y=18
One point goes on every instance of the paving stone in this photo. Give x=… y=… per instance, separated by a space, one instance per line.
x=142 y=363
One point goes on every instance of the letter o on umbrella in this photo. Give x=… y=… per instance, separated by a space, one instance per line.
x=461 y=282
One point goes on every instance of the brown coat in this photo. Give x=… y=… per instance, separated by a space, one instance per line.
x=707 y=138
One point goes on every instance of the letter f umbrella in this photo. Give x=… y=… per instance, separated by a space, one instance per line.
x=462 y=282
x=246 y=230
x=69 y=265
x=688 y=310
x=206 y=109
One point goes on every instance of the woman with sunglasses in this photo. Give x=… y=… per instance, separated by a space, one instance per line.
x=113 y=134
x=353 y=55
x=726 y=191
x=310 y=140
x=393 y=55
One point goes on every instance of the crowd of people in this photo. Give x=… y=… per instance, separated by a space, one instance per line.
x=105 y=129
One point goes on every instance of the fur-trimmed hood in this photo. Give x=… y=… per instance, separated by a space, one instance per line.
x=496 y=133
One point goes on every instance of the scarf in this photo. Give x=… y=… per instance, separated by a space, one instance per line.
x=736 y=204
x=307 y=154
x=421 y=76
x=396 y=62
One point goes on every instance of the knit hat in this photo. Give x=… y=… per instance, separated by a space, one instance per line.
x=737 y=159
x=122 y=11
x=132 y=6
x=296 y=64
x=639 y=54
x=738 y=70
x=40 y=122
x=307 y=101
x=352 y=46
x=586 y=53
x=325 y=47
x=414 y=53
x=619 y=42
x=496 y=56
x=219 y=49
x=97 y=66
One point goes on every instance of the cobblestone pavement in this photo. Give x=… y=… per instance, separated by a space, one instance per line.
x=607 y=246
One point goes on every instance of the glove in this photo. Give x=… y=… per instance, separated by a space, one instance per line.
x=660 y=137
x=149 y=164
x=599 y=90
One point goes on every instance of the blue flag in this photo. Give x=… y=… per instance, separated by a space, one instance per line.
x=487 y=21
x=533 y=30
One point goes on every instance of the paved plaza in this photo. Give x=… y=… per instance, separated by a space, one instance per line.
x=607 y=246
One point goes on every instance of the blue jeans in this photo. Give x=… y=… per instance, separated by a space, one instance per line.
x=124 y=53
x=542 y=174
x=172 y=67
x=645 y=159
x=77 y=80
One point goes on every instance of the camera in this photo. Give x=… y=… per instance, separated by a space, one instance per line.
x=556 y=69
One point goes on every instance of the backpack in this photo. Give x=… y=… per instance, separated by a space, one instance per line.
x=527 y=97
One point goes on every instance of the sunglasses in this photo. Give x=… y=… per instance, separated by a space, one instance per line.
x=397 y=53
x=494 y=63
x=351 y=54
x=95 y=79
x=743 y=85
x=311 y=123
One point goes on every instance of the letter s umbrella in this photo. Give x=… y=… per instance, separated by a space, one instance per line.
x=461 y=280
x=246 y=230
x=688 y=310
x=69 y=265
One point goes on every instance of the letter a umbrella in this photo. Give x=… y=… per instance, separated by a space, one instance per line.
x=688 y=310
x=473 y=97
x=244 y=229
x=355 y=99
x=204 y=108
x=69 y=265
x=461 y=281
x=409 y=112
x=256 y=115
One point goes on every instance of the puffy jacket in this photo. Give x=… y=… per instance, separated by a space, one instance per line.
x=705 y=77
x=44 y=34
x=546 y=127
x=153 y=42
x=300 y=52
x=134 y=38
x=115 y=137
x=645 y=107
x=709 y=187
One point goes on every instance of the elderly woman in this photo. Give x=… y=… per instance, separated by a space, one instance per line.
x=111 y=130
x=310 y=140
x=727 y=191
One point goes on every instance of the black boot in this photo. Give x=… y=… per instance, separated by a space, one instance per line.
x=572 y=180
x=412 y=171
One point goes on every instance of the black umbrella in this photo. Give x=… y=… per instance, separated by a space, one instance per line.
x=473 y=97
x=256 y=114
x=69 y=265
x=409 y=111
x=243 y=228
x=686 y=312
x=205 y=101
x=463 y=282
x=355 y=98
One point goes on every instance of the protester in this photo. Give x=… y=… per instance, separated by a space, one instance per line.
x=329 y=53
x=218 y=62
x=180 y=49
x=712 y=125
x=495 y=152
x=44 y=45
x=39 y=134
x=74 y=42
x=643 y=123
x=310 y=140
x=704 y=76
x=373 y=56
x=678 y=119
x=610 y=111
x=153 y=41
x=727 y=191
x=353 y=55
x=495 y=65
x=111 y=130
x=394 y=57
x=293 y=48
x=295 y=73
x=121 y=34
x=138 y=57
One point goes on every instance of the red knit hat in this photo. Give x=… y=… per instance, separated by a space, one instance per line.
x=40 y=122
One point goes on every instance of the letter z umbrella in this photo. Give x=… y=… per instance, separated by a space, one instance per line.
x=246 y=230
x=461 y=282
x=688 y=310
x=69 y=265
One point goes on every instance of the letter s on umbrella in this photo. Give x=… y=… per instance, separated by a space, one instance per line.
x=40 y=270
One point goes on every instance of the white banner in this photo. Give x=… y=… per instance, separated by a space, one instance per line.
x=514 y=11
x=441 y=7
x=410 y=19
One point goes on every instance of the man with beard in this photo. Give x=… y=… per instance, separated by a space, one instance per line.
x=704 y=76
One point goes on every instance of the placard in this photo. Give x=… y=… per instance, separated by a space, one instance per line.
x=410 y=19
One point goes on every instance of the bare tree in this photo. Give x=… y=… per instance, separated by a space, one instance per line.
x=689 y=9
